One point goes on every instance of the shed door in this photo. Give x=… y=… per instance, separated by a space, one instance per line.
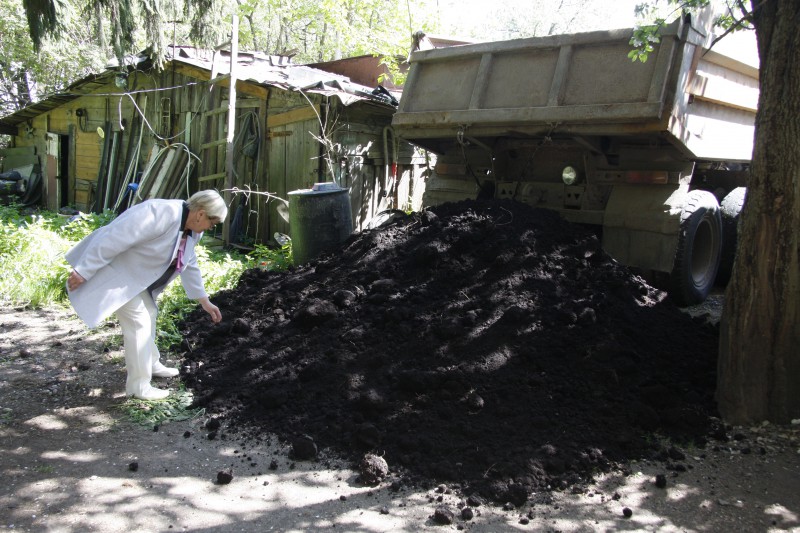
x=52 y=167
x=57 y=171
x=293 y=164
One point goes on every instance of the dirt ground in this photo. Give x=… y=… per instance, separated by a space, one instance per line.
x=501 y=403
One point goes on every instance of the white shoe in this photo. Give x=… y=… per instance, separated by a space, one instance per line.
x=161 y=371
x=151 y=393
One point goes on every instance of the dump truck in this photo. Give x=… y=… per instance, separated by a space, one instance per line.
x=654 y=155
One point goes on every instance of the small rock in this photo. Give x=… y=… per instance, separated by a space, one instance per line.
x=443 y=515
x=373 y=469
x=344 y=298
x=304 y=448
x=224 y=477
x=467 y=513
x=627 y=513
x=661 y=481
x=475 y=402
x=133 y=467
x=474 y=501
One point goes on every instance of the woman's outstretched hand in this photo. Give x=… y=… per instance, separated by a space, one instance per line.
x=212 y=310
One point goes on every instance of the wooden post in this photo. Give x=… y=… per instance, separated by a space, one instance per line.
x=226 y=227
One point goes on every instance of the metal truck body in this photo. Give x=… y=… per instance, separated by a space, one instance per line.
x=645 y=151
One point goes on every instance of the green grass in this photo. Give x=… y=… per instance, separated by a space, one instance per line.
x=116 y=359
x=174 y=407
x=44 y=469
x=32 y=262
x=32 y=248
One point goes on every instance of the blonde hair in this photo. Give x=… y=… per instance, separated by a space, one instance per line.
x=209 y=201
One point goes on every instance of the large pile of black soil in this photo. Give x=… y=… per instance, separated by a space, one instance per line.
x=486 y=344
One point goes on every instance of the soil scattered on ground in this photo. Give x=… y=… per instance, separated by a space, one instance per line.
x=486 y=345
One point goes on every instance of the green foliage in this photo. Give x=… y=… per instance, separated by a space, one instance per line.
x=655 y=17
x=43 y=19
x=174 y=407
x=27 y=75
x=32 y=254
x=76 y=228
x=44 y=469
x=322 y=30
x=643 y=40
x=273 y=259
x=729 y=22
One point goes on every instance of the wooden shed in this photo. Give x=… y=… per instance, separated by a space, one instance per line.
x=124 y=135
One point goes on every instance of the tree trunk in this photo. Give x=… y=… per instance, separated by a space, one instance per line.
x=759 y=360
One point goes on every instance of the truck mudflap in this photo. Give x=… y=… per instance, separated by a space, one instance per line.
x=641 y=225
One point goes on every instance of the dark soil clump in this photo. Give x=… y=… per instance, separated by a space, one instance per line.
x=485 y=344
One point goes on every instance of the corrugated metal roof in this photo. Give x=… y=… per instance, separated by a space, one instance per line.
x=9 y=123
x=278 y=71
x=253 y=67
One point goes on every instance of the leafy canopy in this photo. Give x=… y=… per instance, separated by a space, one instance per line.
x=732 y=16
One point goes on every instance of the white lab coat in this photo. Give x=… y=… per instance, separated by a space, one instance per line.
x=120 y=260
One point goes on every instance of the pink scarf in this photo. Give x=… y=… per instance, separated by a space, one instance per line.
x=179 y=259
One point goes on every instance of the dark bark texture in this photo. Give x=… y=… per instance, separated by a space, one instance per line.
x=759 y=364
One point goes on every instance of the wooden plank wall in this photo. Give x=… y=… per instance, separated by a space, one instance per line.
x=288 y=157
x=85 y=143
x=293 y=155
x=364 y=154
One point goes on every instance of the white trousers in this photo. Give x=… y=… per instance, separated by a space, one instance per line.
x=137 y=319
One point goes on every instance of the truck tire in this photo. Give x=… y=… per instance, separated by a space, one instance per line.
x=729 y=208
x=699 y=246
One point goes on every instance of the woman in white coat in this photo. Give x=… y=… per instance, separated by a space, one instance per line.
x=122 y=268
